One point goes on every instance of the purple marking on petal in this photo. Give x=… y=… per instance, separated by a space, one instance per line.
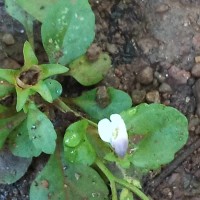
x=120 y=147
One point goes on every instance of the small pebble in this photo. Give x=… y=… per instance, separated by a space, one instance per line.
x=162 y=8
x=193 y=123
x=196 y=89
x=112 y=48
x=153 y=97
x=197 y=59
x=9 y=63
x=145 y=76
x=147 y=44
x=164 y=87
x=8 y=39
x=93 y=52
x=180 y=75
x=159 y=77
x=196 y=70
x=138 y=96
x=167 y=192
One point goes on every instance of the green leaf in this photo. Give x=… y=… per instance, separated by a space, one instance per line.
x=38 y=9
x=41 y=130
x=164 y=130
x=8 y=75
x=60 y=181
x=95 y=188
x=54 y=87
x=5 y=88
x=20 y=143
x=126 y=195
x=13 y=8
x=29 y=56
x=89 y=73
x=52 y=69
x=68 y=30
x=120 y=101
x=77 y=148
x=12 y=168
x=42 y=88
x=22 y=97
x=7 y=125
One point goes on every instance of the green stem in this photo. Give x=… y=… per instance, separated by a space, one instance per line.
x=65 y=108
x=112 y=179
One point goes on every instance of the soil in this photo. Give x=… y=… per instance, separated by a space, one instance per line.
x=155 y=51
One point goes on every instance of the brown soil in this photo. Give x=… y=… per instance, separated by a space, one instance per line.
x=155 y=50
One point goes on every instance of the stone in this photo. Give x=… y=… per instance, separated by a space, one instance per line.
x=161 y=8
x=145 y=76
x=196 y=89
x=180 y=75
x=197 y=59
x=196 y=70
x=93 y=52
x=153 y=97
x=147 y=44
x=8 y=39
x=138 y=96
x=112 y=48
x=164 y=87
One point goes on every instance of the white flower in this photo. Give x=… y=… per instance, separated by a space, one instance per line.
x=114 y=131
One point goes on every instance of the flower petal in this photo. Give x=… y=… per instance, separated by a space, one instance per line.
x=118 y=123
x=105 y=130
x=120 y=146
x=120 y=142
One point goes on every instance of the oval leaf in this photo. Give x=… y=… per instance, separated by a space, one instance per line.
x=89 y=73
x=20 y=143
x=68 y=30
x=164 y=131
x=7 y=125
x=120 y=101
x=77 y=148
x=12 y=168
x=41 y=130
x=59 y=181
x=38 y=9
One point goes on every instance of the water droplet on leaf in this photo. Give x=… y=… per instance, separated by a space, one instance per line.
x=33 y=127
x=77 y=176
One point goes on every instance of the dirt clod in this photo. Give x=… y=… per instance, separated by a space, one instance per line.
x=8 y=39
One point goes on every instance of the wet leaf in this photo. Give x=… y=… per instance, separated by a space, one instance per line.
x=95 y=188
x=89 y=73
x=38 y=9
x=5 y=88
x=43 y=89
x=68 y=30
x=54 y=87
x=41 y=130
x=60 y=181
x=77 y=148
x=15 y=10
x=120 y=101
x=7 y=125
x=164 y=130
x=12 y=168
x=20 y=143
